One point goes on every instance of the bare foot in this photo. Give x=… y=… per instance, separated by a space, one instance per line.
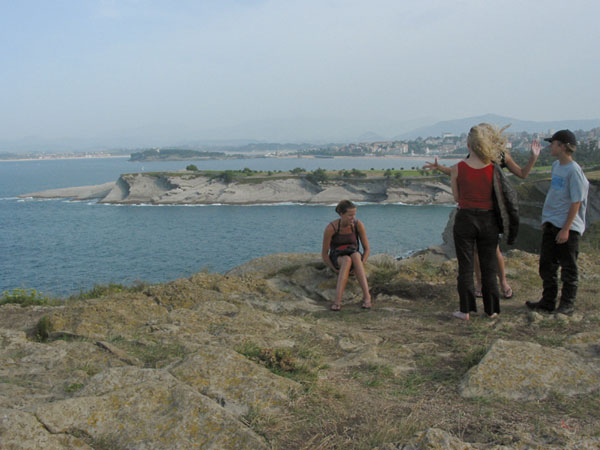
x=461 y=315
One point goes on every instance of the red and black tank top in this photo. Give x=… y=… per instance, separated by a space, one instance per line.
x=339 y=240
x=475 y=187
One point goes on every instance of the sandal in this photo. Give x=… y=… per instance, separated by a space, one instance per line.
x=366 y=305
x=508 y=293
x=478 y=293
x=336 y=307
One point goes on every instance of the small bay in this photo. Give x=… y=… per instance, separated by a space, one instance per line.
x=61 y=247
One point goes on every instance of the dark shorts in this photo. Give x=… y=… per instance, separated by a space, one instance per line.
x=337 y=252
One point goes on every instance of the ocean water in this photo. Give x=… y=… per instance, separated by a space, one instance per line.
x=61 y=247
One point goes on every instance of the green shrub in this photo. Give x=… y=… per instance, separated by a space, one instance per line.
x=102 y=290
x=42 y=329
x=26 y=297
x=226 y=177
x=317 y=176
x=192 y=168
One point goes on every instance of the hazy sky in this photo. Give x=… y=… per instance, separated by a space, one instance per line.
x=197 y=69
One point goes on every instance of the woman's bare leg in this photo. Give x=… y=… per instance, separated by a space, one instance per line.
x=345 y=265
x=361 y=276
x=504 y=286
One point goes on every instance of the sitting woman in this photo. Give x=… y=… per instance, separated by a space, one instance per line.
x=341 y=251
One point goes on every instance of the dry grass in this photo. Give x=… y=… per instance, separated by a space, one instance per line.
x=369 y=406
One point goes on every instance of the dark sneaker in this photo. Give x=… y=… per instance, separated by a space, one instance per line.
x=539 y=306
x=567 y=310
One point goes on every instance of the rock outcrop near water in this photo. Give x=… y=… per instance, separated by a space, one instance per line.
x=189 y=188
x=255 y=359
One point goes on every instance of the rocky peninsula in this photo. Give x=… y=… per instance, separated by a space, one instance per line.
x=176 y=188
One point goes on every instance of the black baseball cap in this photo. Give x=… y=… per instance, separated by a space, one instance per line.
x=564 y=136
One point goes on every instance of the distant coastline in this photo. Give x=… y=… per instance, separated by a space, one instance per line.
x=374 y=157
x=70 y=157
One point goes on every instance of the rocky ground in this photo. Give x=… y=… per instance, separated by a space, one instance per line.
x=255 y=359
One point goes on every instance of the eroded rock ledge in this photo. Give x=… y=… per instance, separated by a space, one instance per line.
x=186 y=188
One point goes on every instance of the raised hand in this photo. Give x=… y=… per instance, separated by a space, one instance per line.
x=536 y=148
x=431 y=165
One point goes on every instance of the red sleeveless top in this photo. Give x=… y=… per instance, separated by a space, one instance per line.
x=475 y=187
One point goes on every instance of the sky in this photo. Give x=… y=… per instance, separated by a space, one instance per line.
x=152 y=71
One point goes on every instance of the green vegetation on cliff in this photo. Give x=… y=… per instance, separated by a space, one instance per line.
x=173 y=154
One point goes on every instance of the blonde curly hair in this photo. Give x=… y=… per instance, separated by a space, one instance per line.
x=487 y=142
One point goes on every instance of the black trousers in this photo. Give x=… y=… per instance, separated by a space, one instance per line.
x=553 y=255
x=477 y=227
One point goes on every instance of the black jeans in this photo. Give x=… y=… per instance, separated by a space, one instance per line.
x=553 y=255
x=477 y=227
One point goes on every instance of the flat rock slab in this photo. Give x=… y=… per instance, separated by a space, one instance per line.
x=233 y=381
x=528 y=371
x=21 y=430
x=145 y=408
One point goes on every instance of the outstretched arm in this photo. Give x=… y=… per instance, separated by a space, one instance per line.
x=327 y=234
x=454 y=181
x=436 y=166
x=523 y=172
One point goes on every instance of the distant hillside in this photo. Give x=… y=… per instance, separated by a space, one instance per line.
x=460 y=126
x=173 y=155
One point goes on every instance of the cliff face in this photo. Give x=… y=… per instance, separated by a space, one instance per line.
x=190 y=189
x=255 y=359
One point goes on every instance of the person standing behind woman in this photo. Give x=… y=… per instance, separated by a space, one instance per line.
x=340 y=251
x=476 y=223
x=522 y=172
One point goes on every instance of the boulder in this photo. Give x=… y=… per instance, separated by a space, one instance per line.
x=528 y=371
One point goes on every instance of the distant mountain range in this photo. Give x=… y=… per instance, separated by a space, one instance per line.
x=293 y=131
x=460 y=126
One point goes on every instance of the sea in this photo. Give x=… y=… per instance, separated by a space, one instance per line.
x=63 y=247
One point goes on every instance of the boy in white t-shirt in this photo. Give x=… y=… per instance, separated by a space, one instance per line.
x=563 y=223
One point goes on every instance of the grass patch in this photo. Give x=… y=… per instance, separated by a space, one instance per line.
x=282 y=361
x=410 y=384
x=373 y=375
x=474 y=357
x=27 y=297
x=154 y=354
x=102 y=290
x=554 y=340
x=74 y=387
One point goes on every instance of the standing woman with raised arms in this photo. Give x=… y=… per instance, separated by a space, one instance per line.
x=476 y=227
x=340 y=251
x=505 y=160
